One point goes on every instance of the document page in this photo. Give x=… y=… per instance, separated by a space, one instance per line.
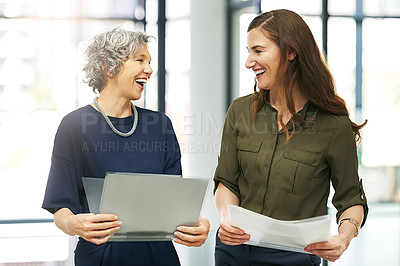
x=287 y=235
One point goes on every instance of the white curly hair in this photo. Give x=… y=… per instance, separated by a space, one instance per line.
x=108 y=51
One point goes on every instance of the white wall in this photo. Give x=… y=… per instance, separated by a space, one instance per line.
x=207 y=90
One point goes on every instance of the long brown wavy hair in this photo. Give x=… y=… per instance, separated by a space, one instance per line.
x=309 y=68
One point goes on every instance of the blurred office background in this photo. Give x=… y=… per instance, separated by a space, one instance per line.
x=198 y=62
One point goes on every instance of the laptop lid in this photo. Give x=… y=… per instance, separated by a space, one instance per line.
x=93 y=187
x=93 y=190
x=152 y=206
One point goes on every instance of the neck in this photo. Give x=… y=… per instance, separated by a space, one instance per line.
x=114 y=106
x=278 y=100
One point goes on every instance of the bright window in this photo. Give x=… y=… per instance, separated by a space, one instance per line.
x=381 y=104
x=41 y=57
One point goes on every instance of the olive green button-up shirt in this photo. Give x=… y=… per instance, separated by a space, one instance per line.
x=289 y=181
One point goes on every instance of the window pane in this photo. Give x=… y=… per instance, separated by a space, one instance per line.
x=36 y=82
x=151 y=11
x=68 y=8
x=178 y=67
x=150 y=94
x=381 y=102
x=177 y=98
x=312 y=6
x=382 y=7
x=342 y=58
x=38 y=8
x=246 y=80
x=315 y=25
x=342 y=7
x=177 y=9
x=107 y=8
x=177 y=53
x=41 y=60
x=33 y=243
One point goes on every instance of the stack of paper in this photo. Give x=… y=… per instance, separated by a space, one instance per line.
x=287 y=235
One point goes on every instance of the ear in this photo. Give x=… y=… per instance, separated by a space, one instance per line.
x=291 y=54
x=106 y=72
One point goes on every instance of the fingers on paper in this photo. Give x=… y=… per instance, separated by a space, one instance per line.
x=324 y=250
x=232 y=235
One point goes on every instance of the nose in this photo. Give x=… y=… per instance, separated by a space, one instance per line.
x=250 y=62
x=148 y=70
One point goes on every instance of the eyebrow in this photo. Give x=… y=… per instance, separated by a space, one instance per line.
x=142 y=55
x=254 y=47
x=139 y=55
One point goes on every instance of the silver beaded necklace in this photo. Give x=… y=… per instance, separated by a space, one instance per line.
x=116 y=131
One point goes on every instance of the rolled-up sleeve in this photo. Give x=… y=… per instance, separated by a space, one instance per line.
x=228 y=169
x=342 y=158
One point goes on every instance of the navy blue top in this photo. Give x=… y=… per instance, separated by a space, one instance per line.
x=85 y=146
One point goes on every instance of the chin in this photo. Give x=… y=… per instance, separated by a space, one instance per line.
x=263 y=88
x=136 y=97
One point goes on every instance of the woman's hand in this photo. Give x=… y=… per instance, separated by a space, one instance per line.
x=95 y=228
x=193 y=236
x=231 y=235
x=331 y=250
x=336 y=245
x=228 y=234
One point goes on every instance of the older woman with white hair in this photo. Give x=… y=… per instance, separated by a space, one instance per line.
x=113 y=135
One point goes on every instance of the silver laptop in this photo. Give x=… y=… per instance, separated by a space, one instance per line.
x=152 y=206
x=93 y=188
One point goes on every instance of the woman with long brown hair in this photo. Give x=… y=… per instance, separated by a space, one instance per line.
x=283 y=146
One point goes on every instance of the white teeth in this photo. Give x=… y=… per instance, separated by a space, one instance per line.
x=260 y=72
x=141 y=80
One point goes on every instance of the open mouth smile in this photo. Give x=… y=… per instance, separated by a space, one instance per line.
x=259 y=73
x=141 y=82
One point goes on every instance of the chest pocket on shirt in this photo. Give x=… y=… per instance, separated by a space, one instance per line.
x=295 y=170
x=248 y=154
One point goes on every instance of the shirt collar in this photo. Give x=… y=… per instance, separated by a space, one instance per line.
x=306 y=113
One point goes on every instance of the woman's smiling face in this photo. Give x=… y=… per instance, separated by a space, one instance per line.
x=134 y=74
x=264 y=58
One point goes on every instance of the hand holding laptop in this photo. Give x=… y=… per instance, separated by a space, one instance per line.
x=95 y=228
x=151 y=207
x=98 y=228
x=193 y=236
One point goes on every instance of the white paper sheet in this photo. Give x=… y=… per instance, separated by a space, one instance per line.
x=287 y=235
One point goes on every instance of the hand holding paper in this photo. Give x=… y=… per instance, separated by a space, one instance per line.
x=287 y=235
x=231 y=235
